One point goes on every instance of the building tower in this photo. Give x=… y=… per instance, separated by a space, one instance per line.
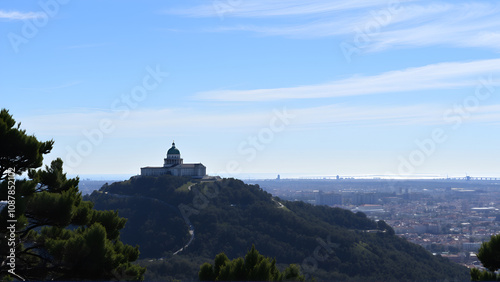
x=174 y=165
x=173 y=157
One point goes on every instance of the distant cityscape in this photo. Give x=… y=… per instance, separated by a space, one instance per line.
x=449 y=217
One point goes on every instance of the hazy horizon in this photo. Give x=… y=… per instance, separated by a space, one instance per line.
x=288 y=176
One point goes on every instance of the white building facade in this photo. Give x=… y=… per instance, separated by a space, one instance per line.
x=173 y=164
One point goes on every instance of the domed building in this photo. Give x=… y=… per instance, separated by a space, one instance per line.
x=174 y=165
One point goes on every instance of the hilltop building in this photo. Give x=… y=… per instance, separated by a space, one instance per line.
x=173 y=164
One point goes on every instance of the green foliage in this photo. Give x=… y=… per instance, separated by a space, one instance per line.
x=175 y=268
x=254 y=267
x=233 y=216
x=155 y=225
x=489 y=255
x=478 y=275
x=90 y=253
x=381 y=225
x=17 y=149
x=162 y=188
x=292 y=273
x=111 y=221
x=58 y=236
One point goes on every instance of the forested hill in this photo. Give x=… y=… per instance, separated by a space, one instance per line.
x=229 y=216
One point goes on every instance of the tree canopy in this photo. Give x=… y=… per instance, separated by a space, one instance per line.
x=254 y=267
x=489 y=255
x=55 y=235
x=17 y=149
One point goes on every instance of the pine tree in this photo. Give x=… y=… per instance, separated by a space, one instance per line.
x=58 y=236
x=489 y=255
x=254 y=267
x=17 y=149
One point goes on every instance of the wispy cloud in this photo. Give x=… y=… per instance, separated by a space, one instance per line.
x=461 y=25
x=430 y=77
x=369 y=22
x=157 y=122
x=143 y=122
x=402 y=115
x=15 y=15
x=262 y=8
x=412 y=24
x=315 y=29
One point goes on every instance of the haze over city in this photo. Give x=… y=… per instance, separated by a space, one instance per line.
x=259 y=88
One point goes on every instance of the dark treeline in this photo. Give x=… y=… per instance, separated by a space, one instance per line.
x=328 y=243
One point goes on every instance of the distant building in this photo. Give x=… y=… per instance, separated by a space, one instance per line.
x=173 y=164
x=471 y=247
x=327 y=199
x=364 y=198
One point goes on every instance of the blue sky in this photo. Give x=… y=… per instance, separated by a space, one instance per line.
x=299 y=88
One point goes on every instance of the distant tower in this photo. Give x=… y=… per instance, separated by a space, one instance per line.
x=173 y=157
x=278 y=178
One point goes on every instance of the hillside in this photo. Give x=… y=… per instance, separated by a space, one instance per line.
x=229 y=216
